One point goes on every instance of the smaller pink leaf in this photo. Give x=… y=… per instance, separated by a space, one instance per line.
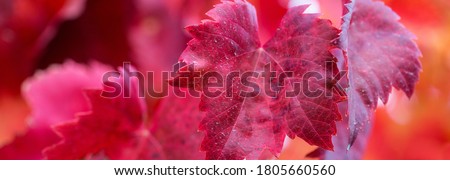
x=46 y=90
x=113 y=127
x=54 y=96
x=381 y=54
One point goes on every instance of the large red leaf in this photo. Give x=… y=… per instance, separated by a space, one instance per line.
x=114 y=128
x=381 y=54
x=242 y=127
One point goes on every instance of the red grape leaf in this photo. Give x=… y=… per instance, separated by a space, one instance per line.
x=381 y=54
x=242 y=127
x=175 y=125
x=113 y=127
x=43 y=93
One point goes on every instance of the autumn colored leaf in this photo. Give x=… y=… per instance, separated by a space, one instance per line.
x=113 y=128
x=54 y=96
x=381 y=54
x=242 y=127
x=175 y=125
x=418 y=128
x=59 y=113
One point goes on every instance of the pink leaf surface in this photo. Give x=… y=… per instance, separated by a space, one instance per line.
x=114 y=127
x=44 y=94
x=242 y=127
x=381 y=54
x=45 y=91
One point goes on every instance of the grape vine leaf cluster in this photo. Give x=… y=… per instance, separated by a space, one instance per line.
x=379 y=51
